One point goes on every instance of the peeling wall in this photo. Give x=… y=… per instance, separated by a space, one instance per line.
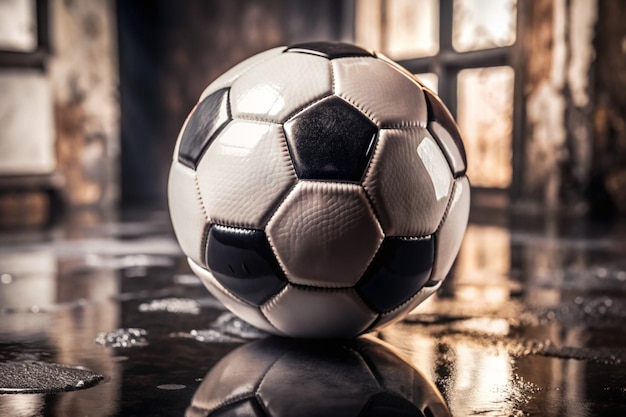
x=558 y=49
x=83 y=76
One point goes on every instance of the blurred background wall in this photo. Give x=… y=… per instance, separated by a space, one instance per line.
x=93 y=93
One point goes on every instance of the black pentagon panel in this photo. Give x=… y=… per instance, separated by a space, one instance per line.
x=399 y=270
x=331 y=140
x=243 y=262
x=437 y=112
x=388 y=404
x=206 y=121
x=330 y=50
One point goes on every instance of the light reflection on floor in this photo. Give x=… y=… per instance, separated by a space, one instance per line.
x=528 y=323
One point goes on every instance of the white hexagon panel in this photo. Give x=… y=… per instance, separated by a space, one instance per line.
x=245 y=173
x=302 y=312
x=325 y=234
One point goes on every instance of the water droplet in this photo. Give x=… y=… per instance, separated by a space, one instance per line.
x=579 y=300
x=6 y=278
x=172 y=305
x=122 y=338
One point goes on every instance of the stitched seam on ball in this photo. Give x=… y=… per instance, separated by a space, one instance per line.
x=332 y=77
x=268 y=235
x=224 y=290
x=306 y=106
x=257 y=386
x=205 y=233
x=380 y=241
x=246 y=70
x=370 y=198
x=449 y=206
x=403 y=125
x=393 y=310
x=197 y=185
x=251 y=118
x=359 y=108
x=230 y=401
x=443 y=219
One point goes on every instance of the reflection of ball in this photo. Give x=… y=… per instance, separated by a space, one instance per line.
x=319 y=190
x=279 y=377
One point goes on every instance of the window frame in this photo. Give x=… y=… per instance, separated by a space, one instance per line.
x=33 y=59
x=447 y=62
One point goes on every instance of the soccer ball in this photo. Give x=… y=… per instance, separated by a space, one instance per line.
x=279 y=377
x=319 y=190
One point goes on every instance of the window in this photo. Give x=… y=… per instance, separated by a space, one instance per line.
x=463 y=50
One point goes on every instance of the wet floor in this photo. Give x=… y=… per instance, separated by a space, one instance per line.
x=103 y=318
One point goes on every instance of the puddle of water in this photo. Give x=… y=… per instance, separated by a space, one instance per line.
x=227 y=328
x=313 y=378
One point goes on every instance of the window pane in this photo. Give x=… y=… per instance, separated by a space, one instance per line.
x=18 y=25
x=398 y=28
x=368 y=22
x=27 y=134
x=485 y=117
x=482 y=24
x=430 y=80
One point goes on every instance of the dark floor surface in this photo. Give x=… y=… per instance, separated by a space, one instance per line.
x=529 y=323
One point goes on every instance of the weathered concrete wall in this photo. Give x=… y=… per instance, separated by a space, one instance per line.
x=557 y=42
x=608 y=186
x=83 y=75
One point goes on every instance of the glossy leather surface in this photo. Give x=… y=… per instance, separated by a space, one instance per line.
x=206 y=120
x=243 y=262
x=188 y=217
x=409 y=182
x=386 y=319
x=324 y=234
x=245 y=173
x=331 y=141
x=450 y=234
x=318 y=313
x=400 y=269
x=248 y=312
x=438 y=113
x=384 y=94
x=280 y=87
